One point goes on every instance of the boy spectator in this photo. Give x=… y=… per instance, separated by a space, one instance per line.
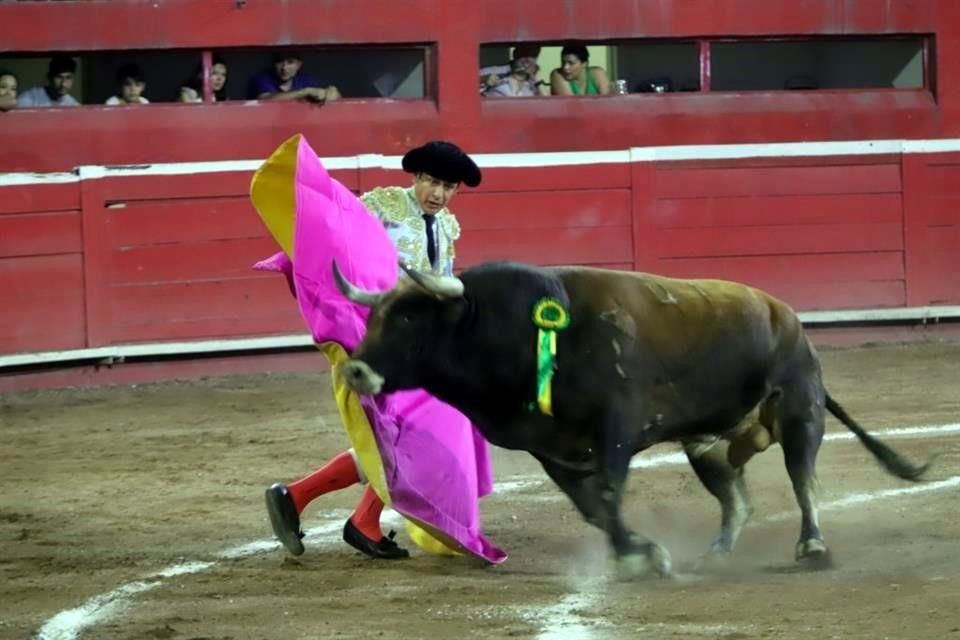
x=130 y=86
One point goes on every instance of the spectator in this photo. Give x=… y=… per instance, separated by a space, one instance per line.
x=519 y=78
x=8 y=90
x=286 y=80
x=130 y=86
x=576 y=77
x=56 y=93
x=192 y=89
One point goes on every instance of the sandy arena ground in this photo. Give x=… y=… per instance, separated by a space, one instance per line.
x=137 y=512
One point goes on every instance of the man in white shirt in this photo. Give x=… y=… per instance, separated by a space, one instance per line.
x=56 y=93
x=518 y=78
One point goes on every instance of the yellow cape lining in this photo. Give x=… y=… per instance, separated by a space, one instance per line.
x=273 y=196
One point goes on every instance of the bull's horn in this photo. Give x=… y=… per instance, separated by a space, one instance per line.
x=353 y=293
x=443 y=286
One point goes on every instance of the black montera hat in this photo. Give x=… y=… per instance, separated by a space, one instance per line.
x=444 y=161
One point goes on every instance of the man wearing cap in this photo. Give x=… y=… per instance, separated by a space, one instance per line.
x=423 y=231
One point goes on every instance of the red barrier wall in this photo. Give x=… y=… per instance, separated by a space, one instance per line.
x=77 y=269
x=40 y=140
x=152 y=258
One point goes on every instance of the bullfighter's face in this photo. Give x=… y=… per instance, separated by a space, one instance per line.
x=432 y=193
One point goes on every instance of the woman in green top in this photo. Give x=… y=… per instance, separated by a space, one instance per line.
x=576 y=77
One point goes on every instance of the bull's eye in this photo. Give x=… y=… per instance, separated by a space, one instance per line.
x=403 y=318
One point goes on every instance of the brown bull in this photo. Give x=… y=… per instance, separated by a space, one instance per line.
x=720 y=367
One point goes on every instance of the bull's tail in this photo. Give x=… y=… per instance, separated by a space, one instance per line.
x=890 y=459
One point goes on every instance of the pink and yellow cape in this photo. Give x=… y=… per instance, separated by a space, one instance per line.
x=421 y=456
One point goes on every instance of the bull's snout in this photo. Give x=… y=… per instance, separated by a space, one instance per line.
x=362 y=378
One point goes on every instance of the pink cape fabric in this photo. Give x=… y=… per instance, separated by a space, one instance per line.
x=437 y=465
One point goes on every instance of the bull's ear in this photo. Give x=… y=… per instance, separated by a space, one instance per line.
x=443 y=286
x=353 y=293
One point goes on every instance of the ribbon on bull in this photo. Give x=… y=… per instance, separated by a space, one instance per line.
x=549 y=316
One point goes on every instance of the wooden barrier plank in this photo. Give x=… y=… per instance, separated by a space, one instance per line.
x=583 y=245
x=765 y=270
x=186 y=220
x=258 y=321
x=646 y=248
x=563 y=177
x=699 y=183
x=841 y=295
x=40 y=234
x=866 y=208
x=41 y=303
x=162 y=187
x=37 y=198
x=222 y=300
x=755 y=162
x=780 y=240
x=943 y=210
x=96 y=246
x=942 y=177
x=185 y=262
x=942 y=261
x=542 y=210
x=198 y=185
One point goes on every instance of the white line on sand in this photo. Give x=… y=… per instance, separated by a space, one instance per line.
x=563 y=623
x=678 y=457
x=559 y=618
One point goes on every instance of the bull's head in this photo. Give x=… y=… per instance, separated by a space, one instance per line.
x=406 y=330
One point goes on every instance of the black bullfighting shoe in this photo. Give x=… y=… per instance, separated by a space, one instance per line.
x=284 y=518
x=386 y=548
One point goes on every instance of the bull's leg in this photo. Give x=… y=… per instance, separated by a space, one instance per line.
x=636 y=553
x=589 y=493
x=801 y=422
x=727 y=485
x=583 y=489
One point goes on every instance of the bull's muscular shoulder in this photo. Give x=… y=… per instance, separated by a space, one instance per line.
x=390 y=204
x=643 y=302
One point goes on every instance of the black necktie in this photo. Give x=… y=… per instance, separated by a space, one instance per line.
x=431 y=243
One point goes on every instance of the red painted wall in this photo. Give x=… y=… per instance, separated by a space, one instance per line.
x=78 y=270
x=40 y=141
x=151 y=258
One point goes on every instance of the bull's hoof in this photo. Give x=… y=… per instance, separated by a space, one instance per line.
x=637 y=565
x=713 y=560
x=814 y=554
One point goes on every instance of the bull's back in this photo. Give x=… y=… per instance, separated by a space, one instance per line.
x=702 y=336
x=701 y=309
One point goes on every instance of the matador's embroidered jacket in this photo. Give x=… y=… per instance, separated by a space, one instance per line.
x=401 y=215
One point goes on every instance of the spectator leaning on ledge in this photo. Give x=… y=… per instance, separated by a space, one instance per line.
x=286 y=80
x=576 y=77
x=56 y=93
